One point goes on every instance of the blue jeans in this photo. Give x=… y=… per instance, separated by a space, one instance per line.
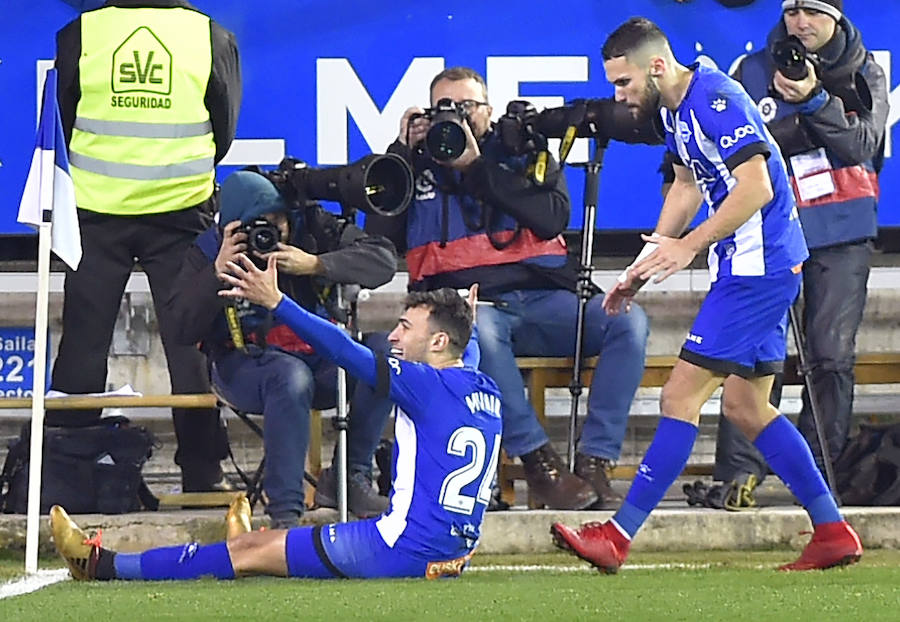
x=543 y=323
x=284 y=387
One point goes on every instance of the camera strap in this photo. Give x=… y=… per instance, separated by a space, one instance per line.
x=234 y=327
x=575 y=115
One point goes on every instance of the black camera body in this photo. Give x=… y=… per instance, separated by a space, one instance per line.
x=446 y=138
x=789 y=55
x=262 y=236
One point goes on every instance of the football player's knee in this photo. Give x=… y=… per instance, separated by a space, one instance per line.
x=674 y=403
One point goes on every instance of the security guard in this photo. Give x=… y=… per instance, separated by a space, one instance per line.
x=149 y=93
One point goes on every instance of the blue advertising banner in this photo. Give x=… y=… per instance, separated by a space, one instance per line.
x=327 y=82
x=16 y=361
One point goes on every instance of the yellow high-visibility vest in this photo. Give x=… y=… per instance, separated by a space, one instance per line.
x=142 y=142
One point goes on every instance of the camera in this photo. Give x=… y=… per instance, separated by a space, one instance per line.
x=446 y=138
x=523 y=129
x=262 y=236
x=376 y=184
x=789 y=55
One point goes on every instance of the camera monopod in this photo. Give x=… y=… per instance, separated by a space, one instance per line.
x=342 y=419
x=584 y=289
x=806 y=373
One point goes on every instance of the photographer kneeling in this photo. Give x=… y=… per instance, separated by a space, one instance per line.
x=479 y=216
x=258 y=364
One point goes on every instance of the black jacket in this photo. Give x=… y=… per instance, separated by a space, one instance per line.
x=854 y=136
x=223 y=93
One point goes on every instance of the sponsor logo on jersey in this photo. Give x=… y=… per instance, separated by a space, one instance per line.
x=729 y=141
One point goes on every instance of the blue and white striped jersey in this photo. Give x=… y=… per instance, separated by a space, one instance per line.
x=716 y=128
x=446 y=448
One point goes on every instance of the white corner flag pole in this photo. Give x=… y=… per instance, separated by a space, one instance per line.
x=40 y=367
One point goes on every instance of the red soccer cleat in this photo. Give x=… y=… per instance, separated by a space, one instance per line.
x=832 y=544
x=599 y=544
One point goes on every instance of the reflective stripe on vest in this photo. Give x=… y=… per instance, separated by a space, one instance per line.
x=143 y=130
x=142 y=142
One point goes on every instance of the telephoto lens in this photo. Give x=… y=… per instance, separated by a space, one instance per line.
x=446 y=138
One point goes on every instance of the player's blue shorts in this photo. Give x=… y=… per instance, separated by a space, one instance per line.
x=742 y=323
x=356 y=550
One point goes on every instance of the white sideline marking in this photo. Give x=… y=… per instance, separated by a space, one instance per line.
x=33 y=583
x=580 y=568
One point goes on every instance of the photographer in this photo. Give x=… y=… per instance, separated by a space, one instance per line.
x=832 y=139
x=481 y=218
x=258 y=364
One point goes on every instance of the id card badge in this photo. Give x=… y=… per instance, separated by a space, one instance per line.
x=813 y=174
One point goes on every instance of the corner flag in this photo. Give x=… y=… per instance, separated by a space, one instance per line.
x=49 y=186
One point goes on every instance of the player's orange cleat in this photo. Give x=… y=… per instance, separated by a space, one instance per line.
x=79 y=552
x=832 y=544
x=600 y=544
x=237 y=520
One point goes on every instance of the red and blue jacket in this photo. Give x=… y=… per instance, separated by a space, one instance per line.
x=492 y=225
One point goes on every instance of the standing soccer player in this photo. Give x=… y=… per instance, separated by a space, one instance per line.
x=726 y=158
x=447 y=434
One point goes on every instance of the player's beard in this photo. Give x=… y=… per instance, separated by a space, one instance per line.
x=650 y=102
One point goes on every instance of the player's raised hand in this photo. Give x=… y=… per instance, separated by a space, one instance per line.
x=472 y=299
x=252 y=284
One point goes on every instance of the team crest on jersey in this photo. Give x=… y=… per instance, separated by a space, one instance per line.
x=719 y=104
x=768 y=108
x=425 y=186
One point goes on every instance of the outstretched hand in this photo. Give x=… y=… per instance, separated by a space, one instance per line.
x=671 y=255
x=618 y=299
x=252 y=284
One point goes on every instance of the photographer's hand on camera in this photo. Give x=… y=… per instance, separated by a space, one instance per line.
x=797 y=91
x=234 y=242
x=295 y=261
x=413 y=127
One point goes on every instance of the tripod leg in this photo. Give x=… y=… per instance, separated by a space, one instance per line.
x=805 y=372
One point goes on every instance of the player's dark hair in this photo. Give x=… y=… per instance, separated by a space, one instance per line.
x=630 y=36
x=448 y=312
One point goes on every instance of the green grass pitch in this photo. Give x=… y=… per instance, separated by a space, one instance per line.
x=720 y=585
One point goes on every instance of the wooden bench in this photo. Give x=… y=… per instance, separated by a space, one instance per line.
x=193 y=400
x=541 y=373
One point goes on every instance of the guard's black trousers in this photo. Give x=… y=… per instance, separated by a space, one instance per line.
x=112 y=245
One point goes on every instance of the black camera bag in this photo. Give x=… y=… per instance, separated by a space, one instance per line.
x=90 y=469
x=868 y=470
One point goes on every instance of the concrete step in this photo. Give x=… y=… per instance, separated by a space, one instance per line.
x=510 y=532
